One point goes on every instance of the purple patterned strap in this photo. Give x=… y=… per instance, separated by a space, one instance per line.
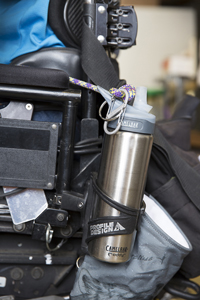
x=116 y=92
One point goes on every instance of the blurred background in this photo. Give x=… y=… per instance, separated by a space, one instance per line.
x=166 y=57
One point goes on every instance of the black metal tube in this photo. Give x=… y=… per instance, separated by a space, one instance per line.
x=38 y=94
x=65 y=160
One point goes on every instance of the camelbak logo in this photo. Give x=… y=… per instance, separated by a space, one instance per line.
x=116 y=251
x=132 y=124
x=105 y=228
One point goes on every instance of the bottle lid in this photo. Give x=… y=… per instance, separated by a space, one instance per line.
x=140 y=101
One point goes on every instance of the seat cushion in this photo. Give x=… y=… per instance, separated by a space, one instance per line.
x=37 y=77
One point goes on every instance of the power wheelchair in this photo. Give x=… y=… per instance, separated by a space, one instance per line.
x=50 y=143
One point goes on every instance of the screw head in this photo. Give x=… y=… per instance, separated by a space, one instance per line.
x=16 y=274
x=67 y=231
x=29 y=106
x=54 y=126
x=19 y=227
x=101 y=9
x=80 y=205
x=119 y=12
x=101 y=38
x=49 y=185
x=37 y=273
x=60 y=217
x=120 y=26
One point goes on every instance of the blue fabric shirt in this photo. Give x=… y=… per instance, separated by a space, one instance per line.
x=24 y=28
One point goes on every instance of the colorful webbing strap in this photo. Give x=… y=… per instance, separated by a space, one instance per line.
x=116 y=92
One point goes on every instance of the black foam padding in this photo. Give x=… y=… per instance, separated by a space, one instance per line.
x=37 y=77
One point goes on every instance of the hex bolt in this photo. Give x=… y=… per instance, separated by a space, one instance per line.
x=37 y=273
x=80 y=205
x=120 y=26
x=54 y=126
x=29 y=106
x=101 y=38
x=101 y=9
x=60 y=217
x=19 y=227
x=119 y=12
x=16 y=274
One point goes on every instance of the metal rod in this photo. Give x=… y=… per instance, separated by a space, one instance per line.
x=65 y=160
x=39 y=94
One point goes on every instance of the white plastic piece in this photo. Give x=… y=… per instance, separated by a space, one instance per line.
x=140 y=101
x=164 y=221
x=2 y=282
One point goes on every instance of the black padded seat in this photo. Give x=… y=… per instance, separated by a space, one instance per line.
x=65 y=59
x=33 y=77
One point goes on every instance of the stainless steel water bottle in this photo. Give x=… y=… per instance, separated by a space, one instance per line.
x=121 y=177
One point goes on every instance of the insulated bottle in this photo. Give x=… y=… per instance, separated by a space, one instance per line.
x=121 y=178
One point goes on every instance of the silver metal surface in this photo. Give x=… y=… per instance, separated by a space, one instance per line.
x=17 y=110
x=122 y=176
x=89 y=1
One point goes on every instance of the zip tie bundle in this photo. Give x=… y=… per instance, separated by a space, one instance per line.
x=115 y=92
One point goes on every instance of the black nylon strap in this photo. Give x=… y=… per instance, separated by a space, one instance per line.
x=187 y=176
x=95 y=62
x=107 y=226
x=122 y=208
x=123 y=224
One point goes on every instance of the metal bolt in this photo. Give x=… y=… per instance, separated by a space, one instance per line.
x=29 y=106
x=16 y=274
x=19 y=227
x=57 y=199
x=49 y=185
x=54 y=126
x=120 y=26
x=119 y=40
x=66 y=231
x=60 y=217
x=101 y=9
x=119 y=12
x=101 y=38
x=80 y=205
x=37 y=273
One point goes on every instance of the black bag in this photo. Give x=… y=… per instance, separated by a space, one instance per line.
x=174 y=178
